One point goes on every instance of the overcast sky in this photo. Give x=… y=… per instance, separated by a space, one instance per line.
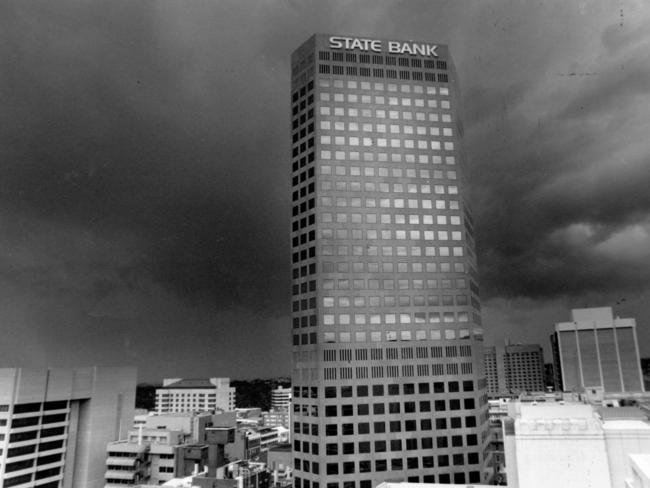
x=144 y=170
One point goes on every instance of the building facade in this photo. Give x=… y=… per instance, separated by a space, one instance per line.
x=514 y=369
x=164 y=447
x=55 y=424
x=524 y=368
x=388 y=376
x=597 y=351
x=572 y=444
x=492 y=374
x=195 y=395
x=281 y=398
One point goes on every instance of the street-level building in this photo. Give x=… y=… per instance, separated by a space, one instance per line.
x=388 y=376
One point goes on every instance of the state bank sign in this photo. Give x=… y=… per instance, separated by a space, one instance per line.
x=394 y=47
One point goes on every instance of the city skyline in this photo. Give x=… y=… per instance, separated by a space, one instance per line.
x=145 y=183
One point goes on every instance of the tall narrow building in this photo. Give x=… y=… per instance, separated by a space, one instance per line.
x=387 y=341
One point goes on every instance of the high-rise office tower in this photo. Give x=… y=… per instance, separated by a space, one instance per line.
x=387 y=343
x=596 y=350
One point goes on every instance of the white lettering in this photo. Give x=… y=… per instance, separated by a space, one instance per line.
x=356 y=44
x=393 y=47
x=336 y=42
x=431 y=51
x=419 y=49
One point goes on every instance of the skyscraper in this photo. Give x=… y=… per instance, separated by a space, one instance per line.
x=596 y=350
x=387 y=342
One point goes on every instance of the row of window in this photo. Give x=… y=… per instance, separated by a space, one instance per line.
x=326 y=69
x=403 y=101
x=399 y=318
x=403 y=335
x=33 y=434
x=392 y=389
x=363 y=409
x=421 y=144
x=381 y=115
x=394 y=371
x=386 y=218
x=383 y=128
x=376 y=267
x=443 y=478
x=35 y=407
x=392 y=426
x=380 y=86
x=405 y=301
x=375 y=284
x=371 y=187
x=390 y=267
x=393 y=445
x=382 y=59
x=34 y=421
x=387 y=251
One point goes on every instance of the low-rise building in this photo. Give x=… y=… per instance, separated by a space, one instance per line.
x=583 y=445
x=281 y=398
x=195 y=395
x=167 y=446
x=276 y=418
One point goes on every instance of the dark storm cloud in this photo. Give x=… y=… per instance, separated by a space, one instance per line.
x=562 y=176
x=124 y=129
x=144 y=187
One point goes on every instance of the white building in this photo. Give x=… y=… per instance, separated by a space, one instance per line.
x=281 y=398
x=55 y=424
x=572 y=444
x=640 y=466
x=195 y=395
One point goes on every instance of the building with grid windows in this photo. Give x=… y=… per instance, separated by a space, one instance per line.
x=493 y=370
x=596 y=351
x=514 y=369
x=195 y=395
x=55 y=424
x=387 y=341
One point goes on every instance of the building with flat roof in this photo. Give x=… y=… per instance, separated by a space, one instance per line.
x=514 y=368
x=195 y=395
x=572 y=444
x=165 y=447
x=388 y=376
x=596 y=351
x=55 y=423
